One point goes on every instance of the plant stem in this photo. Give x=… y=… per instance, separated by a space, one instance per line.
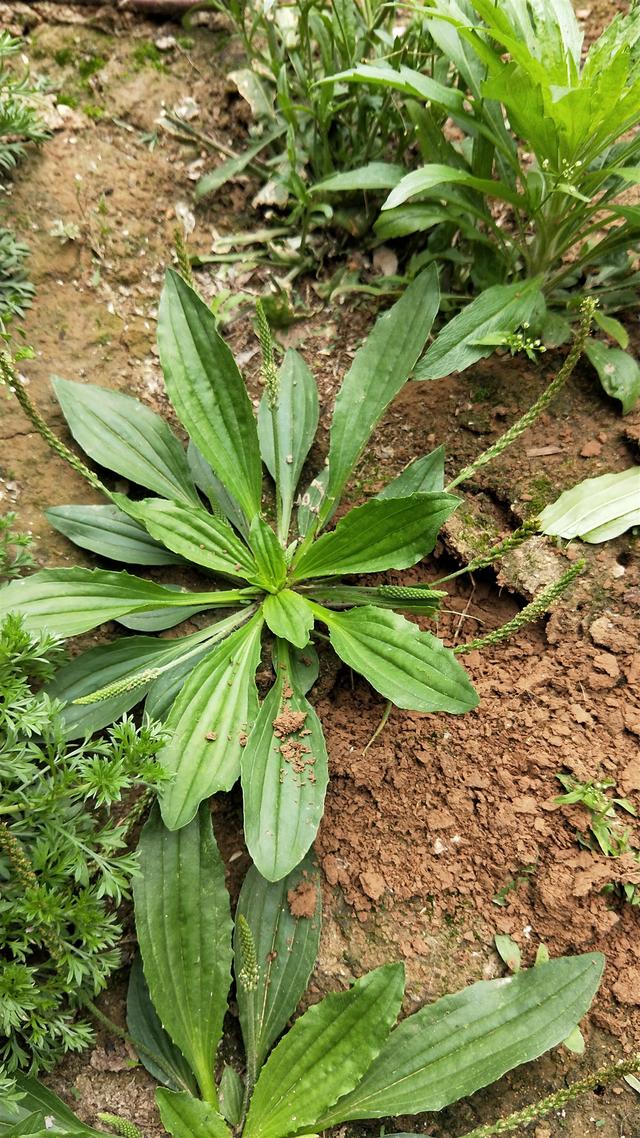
x=513 y=541
x=587 y=309
x=530 y=612
x=557 y=1100
x=9 y=376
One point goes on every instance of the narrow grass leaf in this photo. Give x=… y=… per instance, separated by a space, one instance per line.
x=373 y=176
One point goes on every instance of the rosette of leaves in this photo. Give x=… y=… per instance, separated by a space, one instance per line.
x=345 y=1058
x=209 y=512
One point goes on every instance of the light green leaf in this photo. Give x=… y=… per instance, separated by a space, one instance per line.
x=284 y=777
x=501 y=308
x=286 y=949
x=289 y=616
x=309 y=507
x=187 y=1117
x=227 y=171
x=324 y=1055
x=374 y=176
x=157 y=620
x=208 y=722
x=424 y=179
x=613 y=328
x=404 y=79
x=38 y=1098
x=380 y=368
x=618 y=372
x=389 y=533
x=194 y=534
x=411 y=668
x=597 y=509
x=508 y=951
x=230 y=1095
x=271 y=567
x=208 y=392
x=184 y=931
x=108 y=531
x=422 y=476
x=155 y=1048
x=287 y=432
x=71 y=601
x=574 y=1042
x=123 y=435
x=452 y=1047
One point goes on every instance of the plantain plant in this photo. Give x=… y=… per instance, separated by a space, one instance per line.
x=343 y=1059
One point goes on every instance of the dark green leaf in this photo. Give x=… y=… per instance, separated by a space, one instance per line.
x=39 y=1099
x=422 y=476
x=286 y=950
x=289 y=616
x=415 y=217
x=231 y=1095
x=460 y=1043
x=184 y=932
x=411 y=668
x=187 y=1117
x=284 y=777
x=425 y=178
x=232 y=167
x=404 y=79
x=324 y=1055
x=287 y=432
x=211 y=486
x=108 y=531
x=389 y=533
x=123 y=435
x=208 y=722
x=156 y=1051
x=208 y=392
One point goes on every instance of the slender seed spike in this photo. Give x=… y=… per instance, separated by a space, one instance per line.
x=269 y=370
x=118 y=687
x=120 y=1125
x=248 y=975
x=182 y=256
x=530 y=612
x=513 y=541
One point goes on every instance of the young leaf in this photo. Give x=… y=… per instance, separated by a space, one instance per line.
x=123 y=435
x=186 y=1117
x=284 y=777
x=501 y=308
x=208 y=392
x=208 y=722
x=230 y=169
x=613 y=328
x=71 y=601
x=194 y=534
x=324 y=1055
x=287 y=432
x=380 y=368
x=106 y=530
x=508 y=951
x=618 y=372
x=289 y=616
x=597 y=509
x=404 y=79
x=230 y=1095
x=411 y=668
x=391 y=533
x=184 y=932
x=459 y=1043
x=271 y=567
x=156 y=1051
x=286 y=948
x=422 y=476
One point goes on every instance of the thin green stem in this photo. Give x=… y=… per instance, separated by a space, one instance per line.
x=482 y=561
x=587 y=309
x=558 y=1100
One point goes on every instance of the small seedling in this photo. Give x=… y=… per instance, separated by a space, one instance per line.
x=607 y=832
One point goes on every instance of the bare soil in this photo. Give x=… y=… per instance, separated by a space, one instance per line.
x=444 y=831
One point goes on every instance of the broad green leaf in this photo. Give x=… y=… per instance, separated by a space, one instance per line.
x=157 y=620
x=194 y=534
x=597 y=509
x=303 y=663
x=415 y=217
x=380 y=368
x=211 y=486
x=108 y=531
x=501 y=308
x=167 y=687
x=123 y=435
x=289 y=616
x=38 y=1098
x=231 y=1095
x=390 y=533
x=184 y=931
x=287 y=431
x=271 y=567
x=284 y=774
x=411 y=668
x=459 y=1043
x=230 y=169
x=374 y=176
x=208 y=392
x=613 y=328
x=31 y=1124
x=155 y=1048
x=71 y=601
x=618 y=372
x=286 y=949
x=208 y=724
x=404 y=79
x=324 y=1055
x=424 y=179
x=422 y=476
x=187 y=1117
